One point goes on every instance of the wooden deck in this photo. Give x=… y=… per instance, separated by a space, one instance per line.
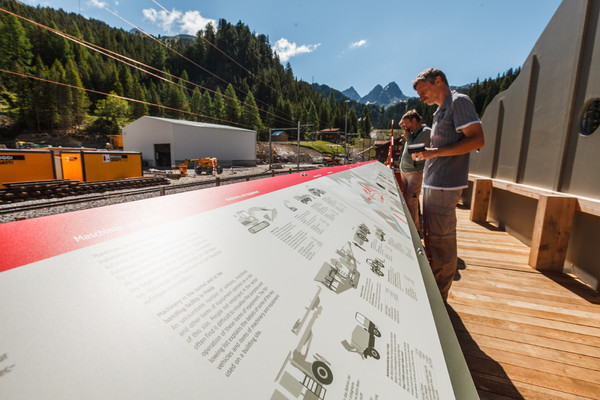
x=524 y=334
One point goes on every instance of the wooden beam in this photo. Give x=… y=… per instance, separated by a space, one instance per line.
x=480 y=199
x=551 y=231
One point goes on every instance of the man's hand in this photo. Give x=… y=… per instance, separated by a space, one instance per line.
x=430 y=152
x=473 y=139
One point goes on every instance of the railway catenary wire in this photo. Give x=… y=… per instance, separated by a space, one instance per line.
x=44 y=207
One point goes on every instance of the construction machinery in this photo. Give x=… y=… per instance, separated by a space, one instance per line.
x=207 y=164
x=308 y=377
x=331 y=161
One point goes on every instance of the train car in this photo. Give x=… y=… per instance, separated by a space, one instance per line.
x=25 y=166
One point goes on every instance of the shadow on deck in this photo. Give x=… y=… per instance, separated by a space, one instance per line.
x=525 y=334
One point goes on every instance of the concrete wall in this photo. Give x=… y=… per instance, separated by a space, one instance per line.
x=188 y=140
x=532 y=129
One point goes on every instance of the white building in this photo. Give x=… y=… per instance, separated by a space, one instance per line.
x=165 y=142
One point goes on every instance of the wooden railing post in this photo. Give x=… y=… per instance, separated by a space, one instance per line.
x=480 y=199
x=551 y=231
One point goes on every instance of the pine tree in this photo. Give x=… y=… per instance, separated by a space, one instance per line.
x=206 y=107
x=138 y=109
x=250 y=114
x=80 y=101
x=63 y=97
x=313 y=118
x=196 y=104
x=365 y=122
x=232 y=106
x=218 y=105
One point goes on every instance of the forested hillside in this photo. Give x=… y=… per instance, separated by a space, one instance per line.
x=61 y=72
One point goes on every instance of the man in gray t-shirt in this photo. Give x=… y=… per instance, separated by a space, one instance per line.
x=456 y=131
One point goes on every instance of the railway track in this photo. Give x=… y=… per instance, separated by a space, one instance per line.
x=28 y=209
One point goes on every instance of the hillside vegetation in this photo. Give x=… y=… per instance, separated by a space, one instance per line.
x=63 y=73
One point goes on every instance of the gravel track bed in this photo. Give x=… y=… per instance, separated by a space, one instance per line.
x=127 y=195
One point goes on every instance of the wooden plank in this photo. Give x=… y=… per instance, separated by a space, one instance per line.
x=525 y=333
x=461 y=306
x=516 y=389
x=587 y=321
x=522 y=333
x=543 y=289
x=522 y=327
x=480 y=199
x=551 y=232
x=514 y=290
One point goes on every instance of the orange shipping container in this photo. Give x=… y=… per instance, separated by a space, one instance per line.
x=25 y=166
x=101 y=166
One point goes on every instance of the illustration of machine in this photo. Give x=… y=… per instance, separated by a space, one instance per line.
x=306 y=380
x=316 y=192
x=341 y=273
x=290 y=205
x=256 y=218
x=380 y=234
x=363 y=338
x=361 y=234
x=304 y=198
x=376 y=266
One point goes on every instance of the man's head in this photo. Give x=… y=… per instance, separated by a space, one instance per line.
x=432 y=86
x=411 y=121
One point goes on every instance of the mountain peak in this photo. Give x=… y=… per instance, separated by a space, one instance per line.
x=385 y=97
x=351 y=93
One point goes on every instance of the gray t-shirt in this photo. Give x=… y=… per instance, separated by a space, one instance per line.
x=450 y=172
x=421 y=135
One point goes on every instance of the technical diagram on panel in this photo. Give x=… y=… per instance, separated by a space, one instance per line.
x=256 y=218
x=363 y=338
x=361 y=234
x=300 y=377
x=340 y=273
x=290 y=205
x=304 y=198
x=316 y=192
x=376 y=265
x=380 y=234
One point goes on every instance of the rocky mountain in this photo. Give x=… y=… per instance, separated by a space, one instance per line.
x=351 y=93
x=385 y=96
x=380 y=96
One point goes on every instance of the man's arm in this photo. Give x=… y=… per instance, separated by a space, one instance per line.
x=473 y=140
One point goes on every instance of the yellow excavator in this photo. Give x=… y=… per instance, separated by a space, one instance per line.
x=207 y=164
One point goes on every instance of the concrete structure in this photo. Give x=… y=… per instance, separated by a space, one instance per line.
x=165 y=142
x=542 y=139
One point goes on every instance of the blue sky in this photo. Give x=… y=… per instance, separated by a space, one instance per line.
x=355 y=43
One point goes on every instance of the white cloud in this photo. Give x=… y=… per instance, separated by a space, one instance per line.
x=286 y=50
x=360 y=43
x=175 y=21
x=192 y=22
x=97 y=3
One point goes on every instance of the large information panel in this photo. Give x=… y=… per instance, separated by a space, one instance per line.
x=307 y=286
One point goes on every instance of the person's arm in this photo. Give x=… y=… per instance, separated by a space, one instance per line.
x=473 y=139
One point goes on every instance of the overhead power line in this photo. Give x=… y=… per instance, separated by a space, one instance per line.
x=226 y=55
x=130 y=62
x=22 y=75
x=191 y=61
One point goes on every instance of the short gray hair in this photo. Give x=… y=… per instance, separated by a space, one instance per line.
x=429 y=75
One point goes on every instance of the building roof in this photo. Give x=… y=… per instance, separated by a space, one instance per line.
x=278 y=133
x=196 y=124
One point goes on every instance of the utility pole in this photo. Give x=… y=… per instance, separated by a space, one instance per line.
x=299 y=126
x=346 y=132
